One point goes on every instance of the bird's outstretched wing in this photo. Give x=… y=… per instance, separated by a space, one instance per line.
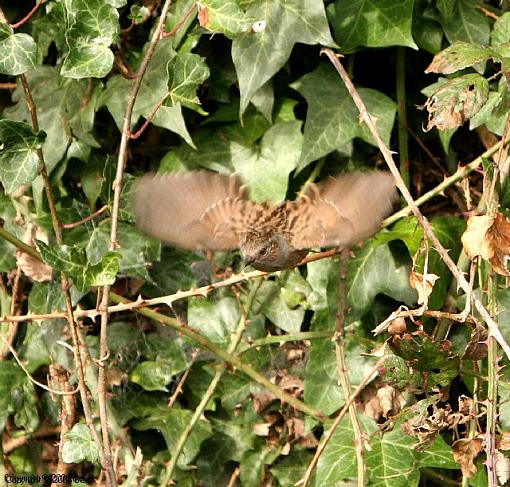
x=194 y=210
x=341 y=211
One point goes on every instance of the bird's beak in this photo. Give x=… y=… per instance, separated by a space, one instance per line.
x=247 y=262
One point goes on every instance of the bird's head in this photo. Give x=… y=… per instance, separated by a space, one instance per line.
x=263 y=252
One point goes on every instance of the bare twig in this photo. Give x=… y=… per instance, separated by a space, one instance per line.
x=328 y=434
x=464 y=284
x=13 y=329
x=27 y=16
x=29 y=375
x=341 y=365
x=246 y=369
x=117 y=188
x=181 y=22
x=104 y=456
x=86 y=219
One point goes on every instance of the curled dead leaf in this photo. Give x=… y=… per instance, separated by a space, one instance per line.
x=474 y=238
x=503 y=442
x=489 y=237
x=424 y=285
x=36 y=270
x=465 y=452
x=397 y=326
x=476 y=349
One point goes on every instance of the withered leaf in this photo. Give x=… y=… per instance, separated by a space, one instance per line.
x=456 y=100
x=489 y=237
x=424 y=285
x=476 y=349
x=465 y=452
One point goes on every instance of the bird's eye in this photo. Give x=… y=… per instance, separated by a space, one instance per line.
x=263 y=251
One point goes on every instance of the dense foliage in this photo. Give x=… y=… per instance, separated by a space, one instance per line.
x=238 y=383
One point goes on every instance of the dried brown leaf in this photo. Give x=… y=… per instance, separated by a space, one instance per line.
x=424 y=285
x=474 y=239
x=465 y=452
x=476 y=349
x=502 y=467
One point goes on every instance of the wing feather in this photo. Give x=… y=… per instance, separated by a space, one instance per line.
x=344 y=210
x=193 y=209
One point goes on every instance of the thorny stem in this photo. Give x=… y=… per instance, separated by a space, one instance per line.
x=212 y=386
x=328 y=434
x=464 y=284
x=105 y=455
x=117 y=188
x=227 y=357
x=342 y=370
x=403 y=145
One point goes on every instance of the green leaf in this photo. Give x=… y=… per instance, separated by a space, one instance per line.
x=216 y=320
x=224 y=16
x=60 y=111
x=135 y=252
x=333 y=119
x=259 y=55
x=186 y=72
x=80 y=446
x=138 y=14
x=72 y=261
x=93 y=26
x=171 y=423
x=466 y=23
x=18 y=52
x=19 y=162
x=459 y=55
x=266 y=172
x=500 y=33
x=377 y=270
x=48 y=27
x=372 y=24
x=291 y=469
x=390 y=461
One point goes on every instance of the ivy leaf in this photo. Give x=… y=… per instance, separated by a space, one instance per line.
x=93 y=26
x=391 y=456
x=72 y=261
x=18 y=52
x=18 y=154
x=186 y=72
x=501 y=30
x=266 y=179
x=376 y=270
x=457 y=56
x=332 y=119
x=79 y=445
x=258 y=56
x=216 y=320
x=456 y=100
x=372 y=24
x=223 y=16
x=465 y=23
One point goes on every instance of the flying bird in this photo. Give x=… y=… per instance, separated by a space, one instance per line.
x=209 y=211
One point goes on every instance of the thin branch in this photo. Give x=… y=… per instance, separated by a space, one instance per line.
x=105 y=457
x=13 y=329
x=328 y=434
x=86 y=219
x=236 y=338
x=456 y=176
x=181 y=22
x=246 y=369
x=117 y=189
x=464 y=284
x=342 y=369
x=27 y=16
x=29 y=375
x=8 y=86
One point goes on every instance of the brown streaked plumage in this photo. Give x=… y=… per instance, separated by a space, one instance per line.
x=204 y=210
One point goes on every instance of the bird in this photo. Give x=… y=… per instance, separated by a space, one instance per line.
x=203 y=210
